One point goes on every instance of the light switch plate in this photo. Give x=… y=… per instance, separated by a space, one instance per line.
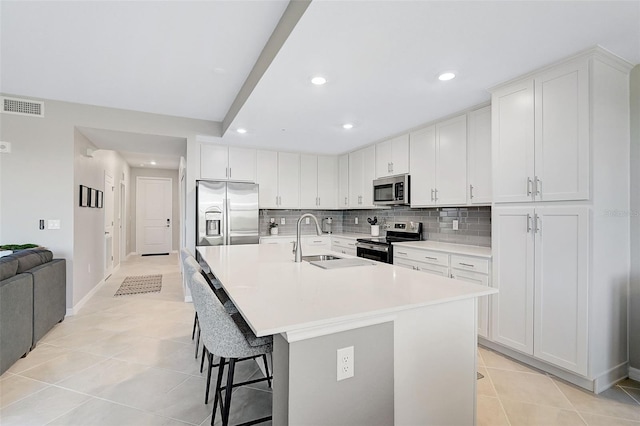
x=5 y=147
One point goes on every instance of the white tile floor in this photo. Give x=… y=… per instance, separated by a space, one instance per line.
x=129 y=360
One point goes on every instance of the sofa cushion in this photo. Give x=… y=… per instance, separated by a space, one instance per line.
x=8 y=267
x=31 y=258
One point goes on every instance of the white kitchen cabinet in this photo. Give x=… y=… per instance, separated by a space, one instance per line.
x=318 y=181
x=561 y=257
x=361 y=176
x=422 y=162
x=344 y=245
x=451 y=161
x=278 y=174
x=308 y=242
x=541 y=272
x=222 y=162
x=479 y=156
x=483 y=302
x=343 y=181
x=392 y=156
x=540 y=136
x=439 y=164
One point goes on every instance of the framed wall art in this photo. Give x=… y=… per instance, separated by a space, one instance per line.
x=85 y=196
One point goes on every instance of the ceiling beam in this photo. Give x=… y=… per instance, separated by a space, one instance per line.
x=287 y=23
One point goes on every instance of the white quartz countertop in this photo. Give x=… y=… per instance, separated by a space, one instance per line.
x=461 y=249
x=276 y=295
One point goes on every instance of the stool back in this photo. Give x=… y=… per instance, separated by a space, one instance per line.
x=220 y=334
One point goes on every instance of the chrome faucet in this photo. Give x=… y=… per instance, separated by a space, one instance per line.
x=297 y=247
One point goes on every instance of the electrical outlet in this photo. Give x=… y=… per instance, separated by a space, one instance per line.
x=282 y=221
x=356 y=221
x=272 y=220
x=455 y=224
x=306 y=220
x=5 y=147
x=53 y=224
x=345 y=364
x=89 y=268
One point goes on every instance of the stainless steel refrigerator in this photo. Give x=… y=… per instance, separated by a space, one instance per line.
x=227 y=213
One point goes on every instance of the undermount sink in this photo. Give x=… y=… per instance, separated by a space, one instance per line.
x=320 y=258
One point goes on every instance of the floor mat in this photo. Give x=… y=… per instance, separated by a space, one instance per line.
x=136 y=284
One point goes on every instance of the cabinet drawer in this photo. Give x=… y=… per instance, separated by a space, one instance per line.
x=470 y=264
x=434 y=257
x=316 y=241
x=422 y=267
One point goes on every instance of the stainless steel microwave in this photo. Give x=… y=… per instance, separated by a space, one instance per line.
x=392 y=190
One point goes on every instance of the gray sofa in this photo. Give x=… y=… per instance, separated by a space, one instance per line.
x=32 y=300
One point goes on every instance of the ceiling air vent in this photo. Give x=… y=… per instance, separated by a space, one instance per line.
x=22 y=107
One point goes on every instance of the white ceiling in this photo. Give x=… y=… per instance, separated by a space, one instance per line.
x=381 y=58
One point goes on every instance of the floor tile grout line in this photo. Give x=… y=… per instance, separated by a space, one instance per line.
x=631 y=396
x=27 y=396
x=506 y=416
x=553 y=380
x=68 y=411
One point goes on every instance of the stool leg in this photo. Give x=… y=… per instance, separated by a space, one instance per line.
x=195 y=322
x=266 y=369
x=202 y=360
x=206 y=393
x=217 y=392
x=198 y=343
x=228 y=391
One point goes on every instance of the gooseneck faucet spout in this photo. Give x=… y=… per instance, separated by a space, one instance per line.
x=298 y=247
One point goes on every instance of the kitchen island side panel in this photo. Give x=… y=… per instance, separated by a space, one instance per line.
x=315 y=397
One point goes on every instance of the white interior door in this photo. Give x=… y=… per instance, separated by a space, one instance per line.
x=109 y=206
x=153 y=215
x=122 y=221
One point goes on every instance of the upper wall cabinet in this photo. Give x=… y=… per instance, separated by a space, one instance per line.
x=392 y=156
x=479 y=156
x=222 y=162
x=438 y=156
x=343 y=181
x=541 y=136
x=318 y=181
x=361 y=176
x=278 y=174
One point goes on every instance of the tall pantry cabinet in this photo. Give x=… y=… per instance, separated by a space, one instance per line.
x=560 y=154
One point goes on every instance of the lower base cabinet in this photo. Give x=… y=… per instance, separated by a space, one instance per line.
x=465 y=268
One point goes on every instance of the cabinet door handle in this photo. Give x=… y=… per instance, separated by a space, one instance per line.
x=537 y=185
x=466 y=264
x=431 y=258
x=226 y=172
x=471 y=192
x=345 y=201
x=432 y=194
x=229 y=172
x=402 y=253
x=529 y=183
x=536 y=224
x=319 y=201
x=528 y=223
x=436 y=192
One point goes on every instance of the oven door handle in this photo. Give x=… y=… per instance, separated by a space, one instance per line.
x=374 y=247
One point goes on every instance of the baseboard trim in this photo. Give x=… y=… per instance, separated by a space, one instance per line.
x=74 y=310
x=634 y=373
x=611 y=377
x=583 y=382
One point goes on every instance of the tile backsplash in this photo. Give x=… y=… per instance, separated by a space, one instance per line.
x=474 y=223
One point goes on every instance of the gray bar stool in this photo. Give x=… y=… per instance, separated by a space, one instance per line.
x=184 y=255
x=221 y=336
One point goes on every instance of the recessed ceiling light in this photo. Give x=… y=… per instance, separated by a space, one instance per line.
x=347 y=126
x=318 y=81
x=153 y=163
x=446 y=76
x=241 y=130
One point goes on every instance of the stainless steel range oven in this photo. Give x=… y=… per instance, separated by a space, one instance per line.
x=381 y=248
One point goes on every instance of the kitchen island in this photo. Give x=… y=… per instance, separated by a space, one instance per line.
x=413 y=337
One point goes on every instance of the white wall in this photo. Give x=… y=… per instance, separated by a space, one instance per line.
x=37 y=178
x=175 y=202
x=634 y=299
x=88 y=223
